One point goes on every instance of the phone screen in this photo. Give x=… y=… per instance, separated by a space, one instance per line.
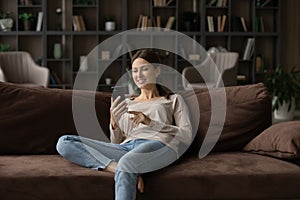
x=119 y=91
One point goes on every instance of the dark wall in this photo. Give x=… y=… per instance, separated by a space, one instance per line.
x=290 y=34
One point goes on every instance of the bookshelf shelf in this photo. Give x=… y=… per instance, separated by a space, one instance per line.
x=60 y=29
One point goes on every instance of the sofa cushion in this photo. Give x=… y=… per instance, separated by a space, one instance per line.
x=226 y=175
x=248 y=113
x=217 y=176
x=33 y=118
x=51 y=177
x=281 y=140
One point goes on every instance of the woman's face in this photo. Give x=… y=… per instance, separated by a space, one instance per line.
x=144 y=74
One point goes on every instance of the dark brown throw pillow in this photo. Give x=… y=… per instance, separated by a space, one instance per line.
x=248 y=113
x=33 y=118
x=281 y=140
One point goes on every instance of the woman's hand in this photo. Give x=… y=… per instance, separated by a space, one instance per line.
x=139 y=117
x=116 y=111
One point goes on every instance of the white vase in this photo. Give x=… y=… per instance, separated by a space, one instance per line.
x=2 y=77
x=282 y=112
x=110 y=26
x=83 y=63
x=6 y=24
x=57 y=51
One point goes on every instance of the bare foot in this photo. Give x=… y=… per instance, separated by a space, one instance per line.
x=140 y=184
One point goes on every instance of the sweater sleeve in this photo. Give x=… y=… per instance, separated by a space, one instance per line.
x=116 y=135
x=182 y=128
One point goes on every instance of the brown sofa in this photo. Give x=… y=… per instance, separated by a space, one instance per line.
x=252 y=159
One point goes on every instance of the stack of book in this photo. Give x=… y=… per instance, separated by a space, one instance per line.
x=78 y=23
x=218 y=25
x=145 y=21
x=217 y=3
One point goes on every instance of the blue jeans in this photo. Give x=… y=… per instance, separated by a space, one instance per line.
x=134 y=158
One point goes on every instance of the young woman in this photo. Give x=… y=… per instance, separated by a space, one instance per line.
x=146 y=131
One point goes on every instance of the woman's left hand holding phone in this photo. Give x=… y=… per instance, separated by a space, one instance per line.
x=117 y=109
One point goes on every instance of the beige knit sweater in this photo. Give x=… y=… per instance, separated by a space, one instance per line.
x=170 y=122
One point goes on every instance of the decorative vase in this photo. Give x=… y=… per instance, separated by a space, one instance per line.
x=83 y=63
x=57 y=51
x=2 y=77
x=6 y=24
x=110 y=25
x=282 y=113
x=27 y=25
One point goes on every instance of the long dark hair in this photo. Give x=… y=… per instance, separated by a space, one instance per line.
x=152 y=57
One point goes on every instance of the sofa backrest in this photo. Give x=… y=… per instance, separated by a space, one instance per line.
x=248 y=113
x=33 y=118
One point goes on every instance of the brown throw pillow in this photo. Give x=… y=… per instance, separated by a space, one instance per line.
x=33 y=118
x=281 y=140
x=245 y=104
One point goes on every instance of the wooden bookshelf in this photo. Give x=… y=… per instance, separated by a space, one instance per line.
x=59 y=28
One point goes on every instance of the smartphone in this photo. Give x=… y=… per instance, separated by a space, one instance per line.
x=119 y=91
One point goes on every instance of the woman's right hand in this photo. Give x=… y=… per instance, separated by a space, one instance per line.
x=116 y=111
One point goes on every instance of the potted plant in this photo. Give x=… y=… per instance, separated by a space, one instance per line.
x=6 y=22
x=4 y=47
x=284 y=87
x=110 y=23
x=27 y=18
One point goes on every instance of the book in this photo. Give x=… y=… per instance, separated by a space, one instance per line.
x=261 y=23
x=265 y=3
x=52 y=79
x=212 y=3
x=241 y=77
x=219 y=3
x=170 y=23
x=219 y=23
x=27 y=2
x=56 y=77
x=248 y=49
x=244 y=24
x=39 y=21
x=81 y=23
x=260 y=63
x=224 y=3
x=224 y=17
x=210 y=22
x=139 y=23
x=76 y=24
x=144 y=23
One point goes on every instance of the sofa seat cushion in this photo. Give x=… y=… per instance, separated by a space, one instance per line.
x=51 y=177
x=225 y=176
x=217 y=176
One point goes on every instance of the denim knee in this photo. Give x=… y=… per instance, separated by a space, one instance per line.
x=126 y=164
x=62 y=144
